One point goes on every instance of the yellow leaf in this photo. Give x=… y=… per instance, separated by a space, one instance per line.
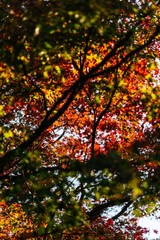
x=8 y=134
x=58 y=70
x=153 y=96
x=97 y=99
x=137 y=192
x=148 y=76
x=1 y=111
x=45 y=74
x=153 y=66
x=121 y=83
x=63 y=80
x=125 y=98
x=134 y=184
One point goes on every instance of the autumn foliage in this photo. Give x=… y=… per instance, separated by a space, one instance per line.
x=79 y=118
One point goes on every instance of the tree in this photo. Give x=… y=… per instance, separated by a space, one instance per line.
x=79 y=110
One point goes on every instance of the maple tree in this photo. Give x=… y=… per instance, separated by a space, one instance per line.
x=79 y=116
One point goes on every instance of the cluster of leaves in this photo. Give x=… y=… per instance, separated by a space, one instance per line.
x=14 y=222
x=101 y=230
x=79 y=112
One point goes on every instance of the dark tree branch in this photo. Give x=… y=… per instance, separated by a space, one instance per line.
x=69 y=94
x=93 y=74
x=82 y=59
x=75 y=65
x=98 y=209
x=8 y=158
x=122 y=210
x=111 y=54
x=72 y=91
x=96 y=122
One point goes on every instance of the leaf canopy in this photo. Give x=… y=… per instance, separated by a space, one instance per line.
x=79 y=112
